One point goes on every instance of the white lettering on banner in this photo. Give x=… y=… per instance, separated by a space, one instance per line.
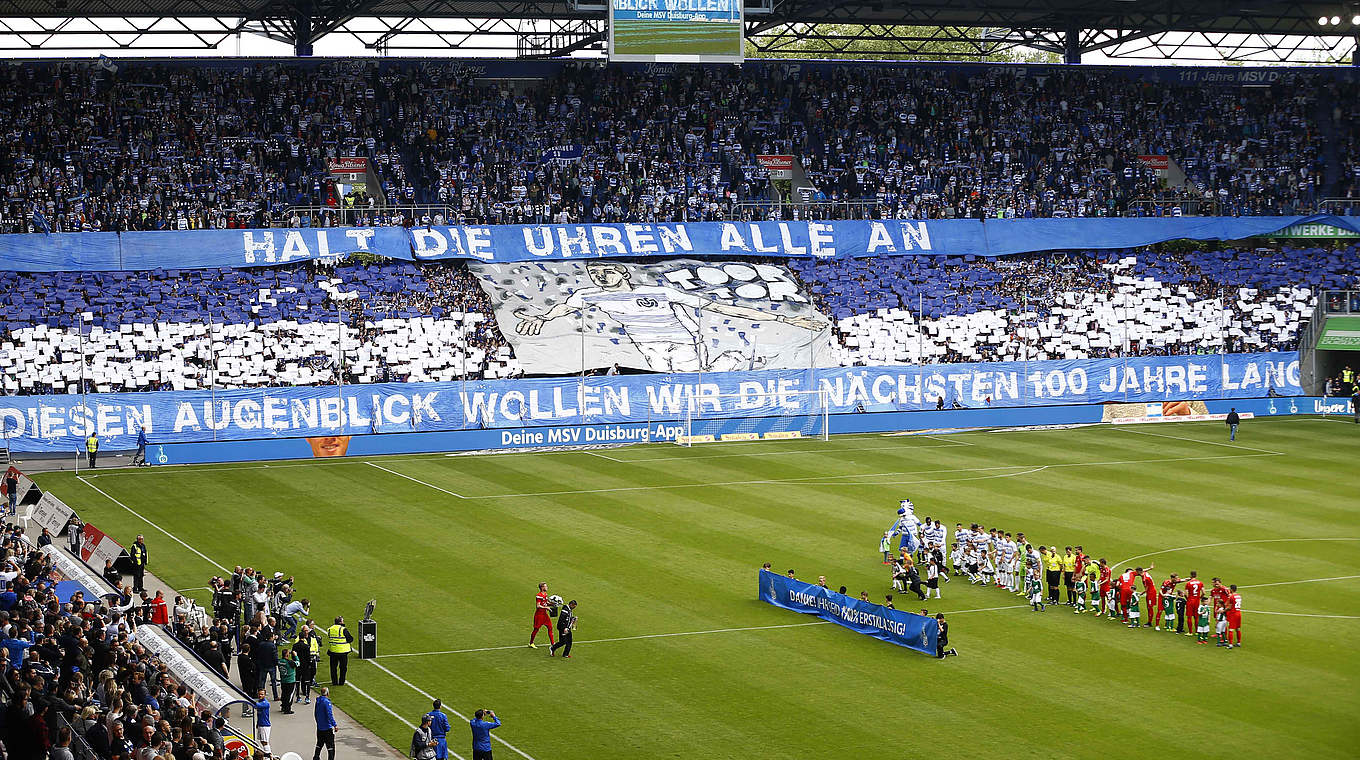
x=361 y=237
x=431 y=242
x=608 y=240
x=58 y=423
x=265 y=250
x=683 y=6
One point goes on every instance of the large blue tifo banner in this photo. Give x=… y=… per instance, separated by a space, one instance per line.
x=198 y=249
x=905 y=629
x=61 y=423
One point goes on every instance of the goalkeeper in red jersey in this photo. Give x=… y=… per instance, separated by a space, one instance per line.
x=541 y=617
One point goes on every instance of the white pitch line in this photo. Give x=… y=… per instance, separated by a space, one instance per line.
x=1226 y=543
x=139 y=516
x=947 y=442
x=603 y=641
x=210 y=561
x=606 y=456
x=806 y=452
x=920 y=482
x=1300 y=614
x=1125 y=429
x=668 y=635
x=430 y=696
x=1305 y=580
x=416 y=480
x=391 y=712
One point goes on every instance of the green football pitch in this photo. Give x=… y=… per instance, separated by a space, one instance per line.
x=677 y=38
x=676 y=658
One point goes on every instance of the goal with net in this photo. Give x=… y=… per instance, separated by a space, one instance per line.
x=755 y=417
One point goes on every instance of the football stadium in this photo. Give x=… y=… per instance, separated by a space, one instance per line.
x=887 y=379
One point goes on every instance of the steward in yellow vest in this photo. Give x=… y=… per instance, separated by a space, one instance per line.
x=338 y=641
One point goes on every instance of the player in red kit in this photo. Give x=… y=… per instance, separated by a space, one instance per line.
x=1125 y=584
x=1194 y=592
x=1219 y=596
x=1234 y=604
x=1105 y=574
x=541 y=617
x=1150 y=598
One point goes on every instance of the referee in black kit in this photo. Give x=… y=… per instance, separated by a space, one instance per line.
x=566 y=623
x=942 y=640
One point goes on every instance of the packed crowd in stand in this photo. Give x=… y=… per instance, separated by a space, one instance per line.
x=1092 y=304
x=175 y=145
x=74 y=673
x=195 y=329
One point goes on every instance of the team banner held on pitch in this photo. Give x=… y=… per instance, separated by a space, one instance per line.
x=904 y=629
x=675 y=315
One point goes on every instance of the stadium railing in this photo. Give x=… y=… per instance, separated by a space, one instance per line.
x=804 y=210
x=1340 y=206
x=1187 y=206
x=346 y=216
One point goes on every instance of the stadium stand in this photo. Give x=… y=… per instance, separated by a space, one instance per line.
x=87 y=684
x=1087 y=305
x=178 y=145
x=176 y=330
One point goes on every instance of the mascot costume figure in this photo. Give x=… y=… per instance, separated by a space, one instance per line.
x=906 y=526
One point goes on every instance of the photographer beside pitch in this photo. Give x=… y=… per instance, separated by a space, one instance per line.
x=481 y=733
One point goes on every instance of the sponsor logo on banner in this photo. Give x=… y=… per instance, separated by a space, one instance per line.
x=1160 y=163
x=683 y=439
x=782 y=435
x=740 y=436
x=1327 y=406
x=96 y=547
x=51 y=513
x=348 y=165
x=679 y=315
x=779 y=167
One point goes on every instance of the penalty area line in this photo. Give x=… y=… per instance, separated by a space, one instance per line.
x=415 y=480
x=139 y=516
x=1301 y=614
x=1305 y=580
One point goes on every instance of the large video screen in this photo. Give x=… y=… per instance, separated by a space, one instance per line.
x=675 y=30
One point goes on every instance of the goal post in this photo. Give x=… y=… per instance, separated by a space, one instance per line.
x=755 y=417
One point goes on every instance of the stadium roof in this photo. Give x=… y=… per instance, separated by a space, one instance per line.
x=1071 y=27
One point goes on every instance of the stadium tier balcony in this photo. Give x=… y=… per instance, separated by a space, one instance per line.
x=237 y=143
